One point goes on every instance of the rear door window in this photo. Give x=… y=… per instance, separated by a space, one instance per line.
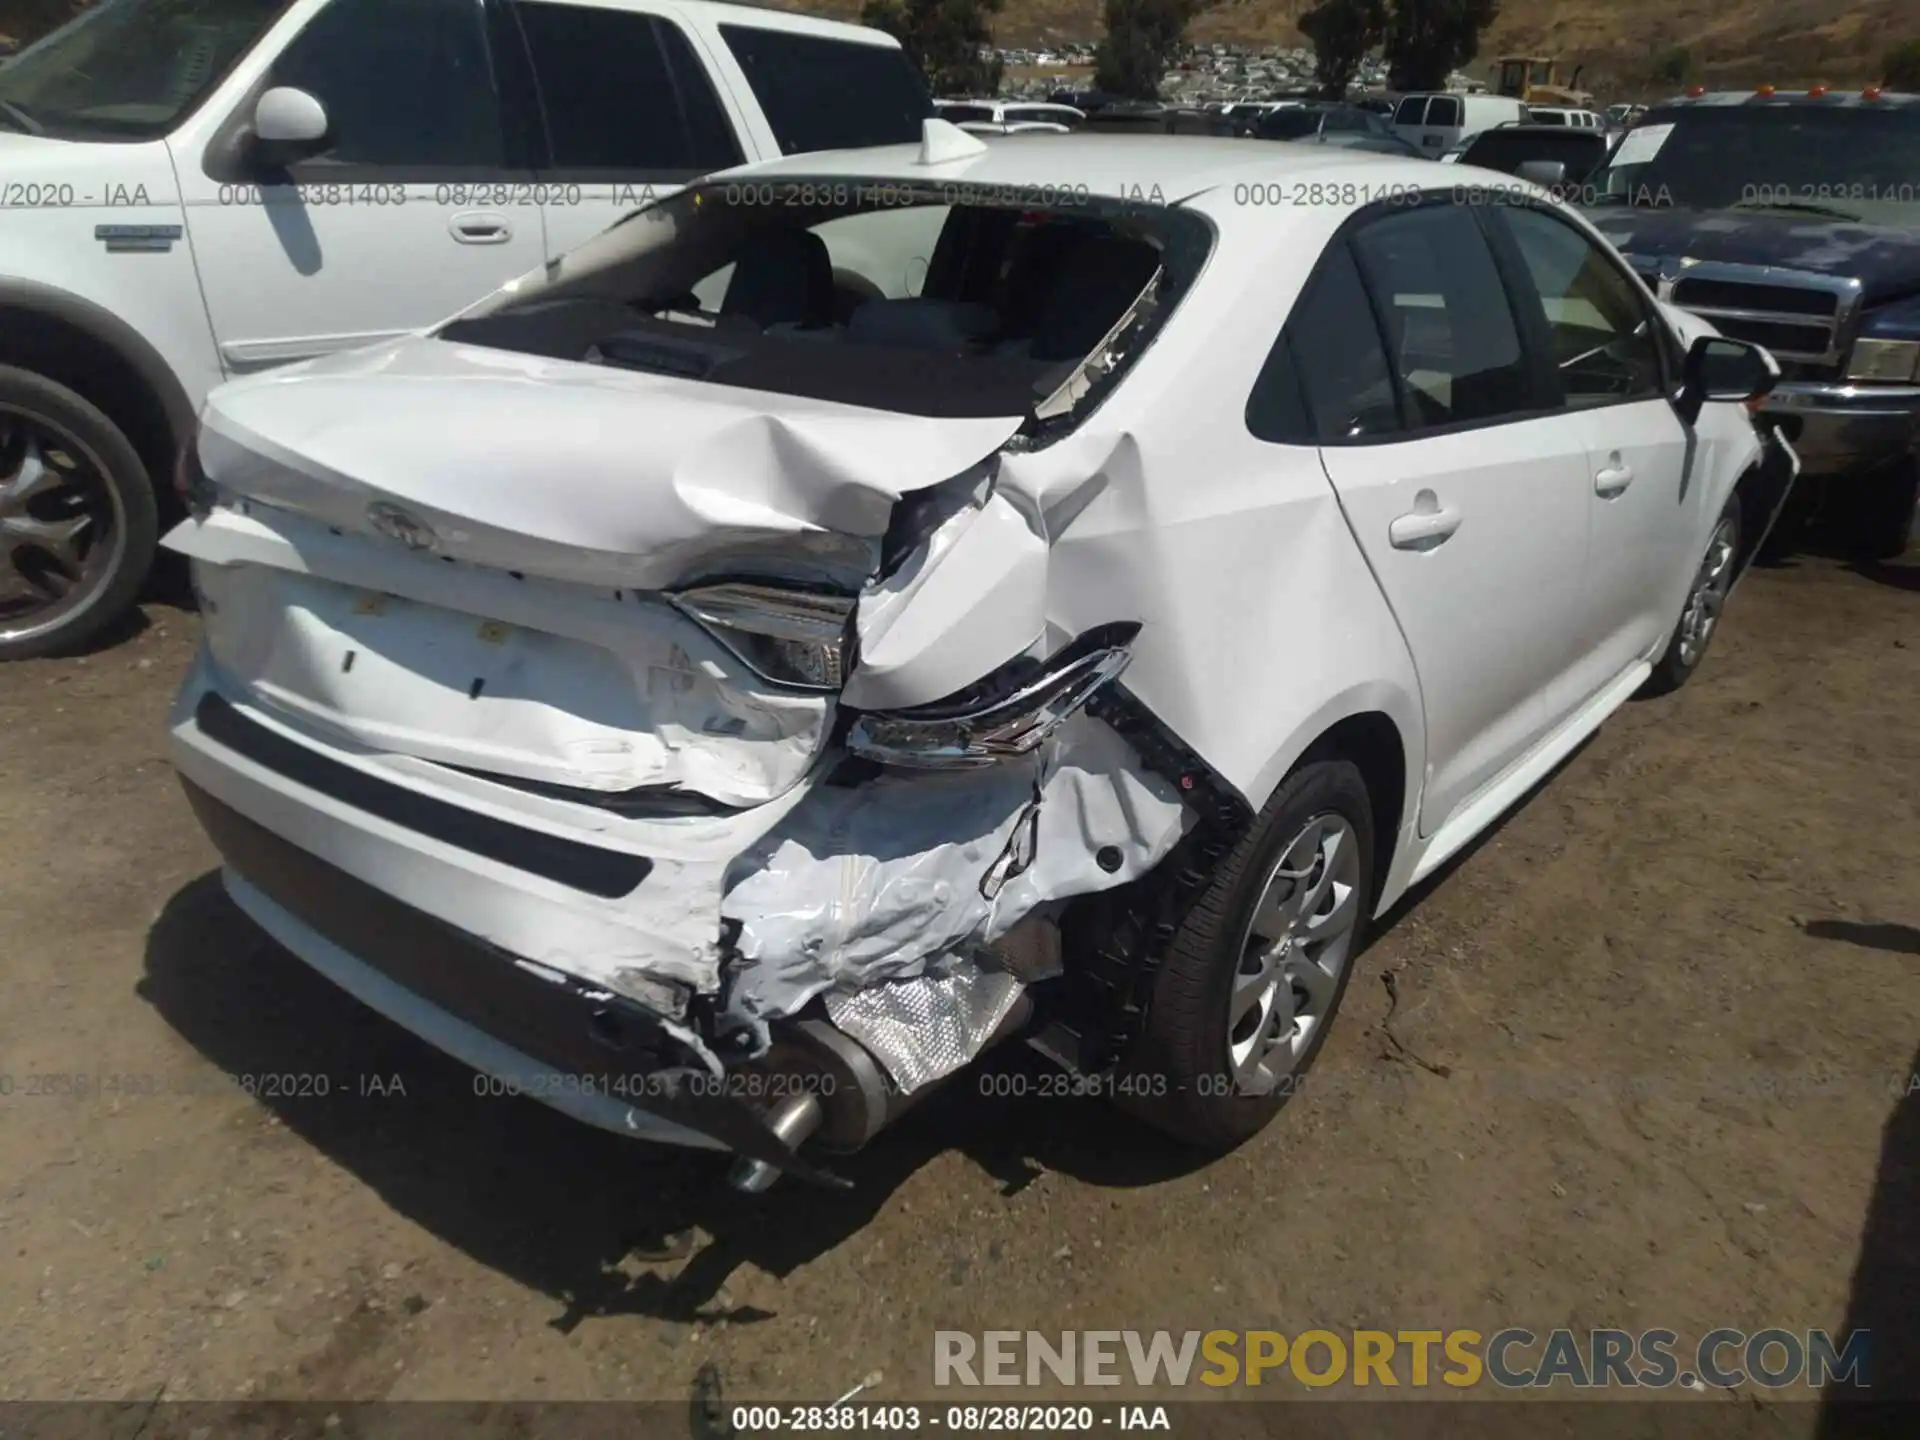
x=824 y=94
x=1443 y=110
x=1328 y=377
x=1451 y=335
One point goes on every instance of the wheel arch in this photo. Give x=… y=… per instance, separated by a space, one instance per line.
x=1762 y=488
x=1376 y=727
x=101 y=358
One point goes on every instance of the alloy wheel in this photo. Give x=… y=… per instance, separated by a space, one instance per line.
x=1294 y=954
x=1709 y=593
x=62 y=530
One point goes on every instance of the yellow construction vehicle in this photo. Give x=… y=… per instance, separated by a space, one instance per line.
x=1529 y=79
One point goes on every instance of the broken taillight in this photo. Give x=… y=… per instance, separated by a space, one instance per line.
x=1007 y=715
x=791 y=637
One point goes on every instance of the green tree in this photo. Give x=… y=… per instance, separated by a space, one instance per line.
x=1342 y=32
x=950 y=40
x=1675 y=67
x=1143 y=38
x=1900 y=67
x=1427 y=40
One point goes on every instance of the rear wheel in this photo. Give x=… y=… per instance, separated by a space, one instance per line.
x=1256 y=972
x=78 y=524
x=1705 y=599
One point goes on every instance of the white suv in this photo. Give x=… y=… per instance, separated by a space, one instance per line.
x=196 y=191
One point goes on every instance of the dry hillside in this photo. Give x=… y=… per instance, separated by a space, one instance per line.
x=1731 y=41
x=1783 y=41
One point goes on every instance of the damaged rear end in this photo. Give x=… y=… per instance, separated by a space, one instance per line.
x=644 y=688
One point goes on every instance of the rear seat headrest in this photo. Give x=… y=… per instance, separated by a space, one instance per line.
x=781 y=276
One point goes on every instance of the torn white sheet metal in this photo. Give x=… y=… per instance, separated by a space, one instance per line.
x=924 y=1029
x=973 y=598
x=562 y=685
x=581 y=472
x=871 y=882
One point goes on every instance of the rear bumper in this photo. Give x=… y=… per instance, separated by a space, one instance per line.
x=1841 y=429
x=589 y=1054
x=420 y=923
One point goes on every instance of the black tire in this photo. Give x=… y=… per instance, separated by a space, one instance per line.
x=1681 y=659
x=126 y=496
x=1178 y=1066
x=1877 y=510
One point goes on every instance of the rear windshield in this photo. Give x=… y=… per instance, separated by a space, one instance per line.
x=1289 y=124
x=870 y=294
x=824 y=94
x=1507 y=150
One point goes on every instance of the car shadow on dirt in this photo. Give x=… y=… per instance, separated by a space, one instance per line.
x=1900 y=939
x=566 y=1209
x=1885 y=1296
x=1900 y=575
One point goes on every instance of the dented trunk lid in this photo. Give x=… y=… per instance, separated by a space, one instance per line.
x=577 y=471
x=456 y=555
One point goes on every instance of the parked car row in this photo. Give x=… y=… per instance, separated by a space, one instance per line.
x=1010 y=117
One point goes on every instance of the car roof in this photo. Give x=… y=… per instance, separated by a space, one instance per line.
x=713 y=12
x=1555 y=132
x=1117 y=166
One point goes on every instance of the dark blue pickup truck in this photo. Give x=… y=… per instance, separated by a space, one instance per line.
x=1793 y=219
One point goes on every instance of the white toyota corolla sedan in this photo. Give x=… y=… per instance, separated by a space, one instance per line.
x=720 y=691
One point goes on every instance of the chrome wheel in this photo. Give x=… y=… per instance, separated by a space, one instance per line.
x=1709 y=591
x=1294 y=953
x=62 y=529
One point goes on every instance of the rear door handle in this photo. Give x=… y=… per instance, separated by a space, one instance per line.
x=1428 y=524
x=1614 y=479
x=473 y=227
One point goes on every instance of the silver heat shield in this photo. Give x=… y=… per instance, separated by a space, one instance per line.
x=930 y=1026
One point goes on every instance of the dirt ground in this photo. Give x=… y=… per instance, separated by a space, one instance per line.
x=1629 y=1063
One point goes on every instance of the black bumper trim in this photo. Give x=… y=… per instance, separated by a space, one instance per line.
x=606 y=1044
x=609 y=874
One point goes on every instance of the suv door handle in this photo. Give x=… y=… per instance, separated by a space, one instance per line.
x=1428 y=524
x=473 y=227
x=1614 y=479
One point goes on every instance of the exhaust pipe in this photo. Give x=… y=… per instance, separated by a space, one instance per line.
x=794 y=1120
x=842 y=1096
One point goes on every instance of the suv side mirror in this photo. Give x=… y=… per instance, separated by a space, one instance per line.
x=1718 y=367
x=1543 y=172
x=288 y=125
